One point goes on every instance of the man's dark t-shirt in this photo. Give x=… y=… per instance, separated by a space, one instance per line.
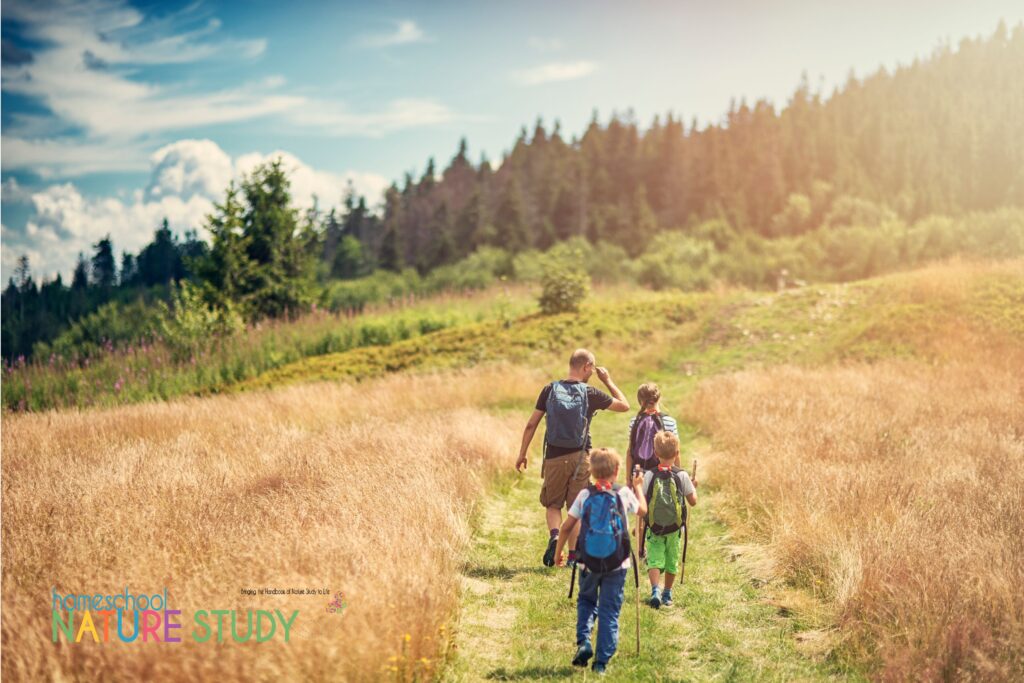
x=596 y=400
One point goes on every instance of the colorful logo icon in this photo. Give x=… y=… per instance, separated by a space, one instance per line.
x=338 y=604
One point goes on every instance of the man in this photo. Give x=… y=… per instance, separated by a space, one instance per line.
x=569 y=406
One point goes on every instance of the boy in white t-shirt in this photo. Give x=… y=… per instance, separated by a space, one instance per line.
x=602 y=554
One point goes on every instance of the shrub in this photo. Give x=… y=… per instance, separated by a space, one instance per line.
x=564 y=289
x=189 y=323
x=113 y=324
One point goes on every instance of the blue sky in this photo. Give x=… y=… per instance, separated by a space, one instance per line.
x=116 y=114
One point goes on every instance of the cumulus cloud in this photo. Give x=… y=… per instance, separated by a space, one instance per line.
x=186 y=178
x=189 y=167
x=405 y=32
x=308 y=183
x=64 y=223
x=553 y=72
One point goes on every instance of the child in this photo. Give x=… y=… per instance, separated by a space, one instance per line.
x=642 y=428
x=665 y=488
x=602 y=553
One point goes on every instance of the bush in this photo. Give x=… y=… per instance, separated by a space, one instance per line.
x=564 y=289
x=189 y=323
x=113 y=324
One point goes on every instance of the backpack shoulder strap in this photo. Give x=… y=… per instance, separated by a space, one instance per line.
x=632 y=433
x=659 y=420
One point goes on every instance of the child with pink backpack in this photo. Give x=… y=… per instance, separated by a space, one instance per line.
x=642 y=429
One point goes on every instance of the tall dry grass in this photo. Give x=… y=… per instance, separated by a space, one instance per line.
x=363 y=489
x=895 y=492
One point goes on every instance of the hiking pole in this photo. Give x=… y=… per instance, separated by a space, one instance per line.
x=636 y=581
x=636 y=571
x=686 y=531
x=572 y=580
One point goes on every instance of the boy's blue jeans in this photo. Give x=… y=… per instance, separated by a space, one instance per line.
x=600 y=596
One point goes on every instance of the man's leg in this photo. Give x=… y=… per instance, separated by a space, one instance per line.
x=608 y=608
x=552 y=497
x=579 y=480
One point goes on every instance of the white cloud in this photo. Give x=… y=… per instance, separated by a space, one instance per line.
x=62 y=157
x=554 y=71
x=406 y=32
x=189 y=167
x=64 y=223
x=84 y=72
x=186 y=177
x=80 y=74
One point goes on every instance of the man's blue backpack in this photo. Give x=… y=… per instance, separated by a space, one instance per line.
x=603 y=543
x=565 y=415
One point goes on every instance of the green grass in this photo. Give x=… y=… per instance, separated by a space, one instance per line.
x=155 y=371
x=710 y=332
x=517 y=622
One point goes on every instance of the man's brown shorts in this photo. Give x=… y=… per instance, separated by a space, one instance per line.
x=564 y=478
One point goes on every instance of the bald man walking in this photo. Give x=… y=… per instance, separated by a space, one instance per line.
x=569 y=406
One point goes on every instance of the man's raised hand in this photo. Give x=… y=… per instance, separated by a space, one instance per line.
x=602 y=374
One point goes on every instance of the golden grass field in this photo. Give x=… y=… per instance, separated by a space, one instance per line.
x=209 y=496
x=891 y=491
x=895 y=493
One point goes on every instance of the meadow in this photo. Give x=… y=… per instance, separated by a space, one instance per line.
x=892 y=493
x=861 y=479
x=319 y=486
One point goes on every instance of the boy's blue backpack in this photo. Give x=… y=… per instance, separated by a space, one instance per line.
x=566 y=415
x=603 y=543
x=641 y=439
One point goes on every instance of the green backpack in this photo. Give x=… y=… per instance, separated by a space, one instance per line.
x=666 y=512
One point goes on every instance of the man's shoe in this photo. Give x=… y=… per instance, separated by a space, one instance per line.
x=599 y=668
x=666 y=599
x=549 y=554
x=583 y=654
x=655 y=600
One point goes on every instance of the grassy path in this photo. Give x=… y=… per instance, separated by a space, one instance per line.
x=517 y=622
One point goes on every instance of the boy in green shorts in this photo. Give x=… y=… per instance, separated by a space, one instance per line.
x=665 y=489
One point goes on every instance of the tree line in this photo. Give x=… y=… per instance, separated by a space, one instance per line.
x=942 y=136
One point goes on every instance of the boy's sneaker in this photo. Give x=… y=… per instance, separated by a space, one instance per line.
x=655 y=600
x=666 y=599
x=549 y=554
x=599 y=668
x=583 y=654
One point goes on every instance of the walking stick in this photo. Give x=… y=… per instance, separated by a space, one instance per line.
x=636 y=572
x=572 y=580
x=686 y=530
